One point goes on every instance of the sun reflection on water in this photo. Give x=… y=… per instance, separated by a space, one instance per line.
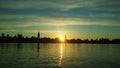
x=61 y=55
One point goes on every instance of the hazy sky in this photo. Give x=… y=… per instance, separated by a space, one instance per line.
x=74 y=18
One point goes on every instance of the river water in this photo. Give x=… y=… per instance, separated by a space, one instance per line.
x=59 y=55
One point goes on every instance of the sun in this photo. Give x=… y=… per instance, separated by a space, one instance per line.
x=61 y=39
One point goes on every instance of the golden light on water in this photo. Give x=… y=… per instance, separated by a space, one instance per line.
x=61 y=54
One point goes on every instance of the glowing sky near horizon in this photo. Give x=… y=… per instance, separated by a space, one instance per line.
x=53 y=18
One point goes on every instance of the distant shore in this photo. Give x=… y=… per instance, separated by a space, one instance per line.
x=20 y=39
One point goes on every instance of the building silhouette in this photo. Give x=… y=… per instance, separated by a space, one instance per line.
x=38 y=37
x=19 y=38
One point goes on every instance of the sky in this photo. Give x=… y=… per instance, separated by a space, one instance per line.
x=53 y=18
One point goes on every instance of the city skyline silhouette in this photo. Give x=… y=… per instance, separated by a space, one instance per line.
x=19 y=38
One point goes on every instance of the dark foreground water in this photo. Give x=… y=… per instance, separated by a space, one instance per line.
x=33 y=55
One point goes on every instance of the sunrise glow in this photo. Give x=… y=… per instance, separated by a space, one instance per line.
x=61 y=39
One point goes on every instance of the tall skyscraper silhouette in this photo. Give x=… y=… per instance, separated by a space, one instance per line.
x=38 y=37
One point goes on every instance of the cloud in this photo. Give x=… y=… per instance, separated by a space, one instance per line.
x=36 y=4
x=82 y=17
x=23 y=13
x=33 y=20
x=59 y=5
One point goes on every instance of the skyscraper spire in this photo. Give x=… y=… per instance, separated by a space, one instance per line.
x=65 y=38
x=38 y=37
